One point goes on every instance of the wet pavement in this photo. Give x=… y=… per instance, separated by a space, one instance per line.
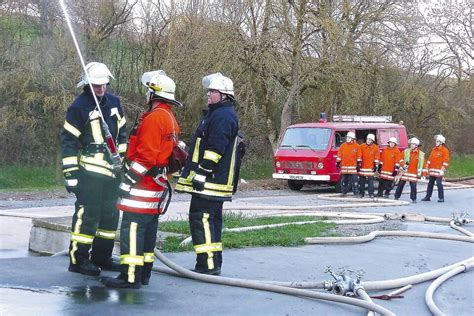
x=43 y=286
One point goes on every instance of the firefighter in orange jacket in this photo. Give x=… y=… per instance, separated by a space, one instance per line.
x=412 y=164
x=150 y=145
x=347 y=162
x=437 y=164
x=388 y=167
x=368 y=158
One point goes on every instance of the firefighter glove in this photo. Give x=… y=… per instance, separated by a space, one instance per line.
x=338 y=165
x=394 y=173
x=359 y=165
x=72 y=181
x=198 y=182
x=124 y=189
x=375 y=167
x=379 y=170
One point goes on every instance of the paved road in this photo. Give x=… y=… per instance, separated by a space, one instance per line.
x=41 y=285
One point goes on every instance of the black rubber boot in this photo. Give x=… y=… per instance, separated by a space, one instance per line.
x=84 y=267
x=110 y=265
x=121 y=281
x=146 y=273
x=215 y=271
x=425 y=199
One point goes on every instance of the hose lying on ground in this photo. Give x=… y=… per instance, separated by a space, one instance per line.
x=363 y=295
x=460 y=229
x=271 y=287
x=436 y=283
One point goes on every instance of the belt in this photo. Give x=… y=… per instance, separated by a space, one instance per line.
x=94 y=149
x=154 y=171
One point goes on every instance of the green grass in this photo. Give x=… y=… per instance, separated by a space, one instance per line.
x=461 y=166
x=256 y=169
x=20 y=177
x=287 y=236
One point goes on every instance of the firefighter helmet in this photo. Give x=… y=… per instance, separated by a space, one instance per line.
x=160 y=86
x=351 y=135
x=414 y=141
x=218 y=82
x=393 y=140
x=371 y=136
x=440 y=138
x=97 y=73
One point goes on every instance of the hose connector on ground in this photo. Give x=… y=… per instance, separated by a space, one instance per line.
x=461 y=219
x=347 y=282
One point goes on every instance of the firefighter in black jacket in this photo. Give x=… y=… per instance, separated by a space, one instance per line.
x=209 y=172
x=88 y=171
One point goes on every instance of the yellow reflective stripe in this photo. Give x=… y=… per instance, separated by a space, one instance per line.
x=106 y=234
x=212 y=247
x=211 y=155
x=186 y=188
x=122 y=122
x=129 y=259
x=230 y=180
x=70 y=169
x=216 y=186
x=207 y=238
x=196 y=150
x=122 y=148
x=148 y=257
x=70 y=161
x=97 y=131
x=76 y=229
x=81 y=238
x=133 y=252
x=97 y=170
x=97 y=159
x=71 y=129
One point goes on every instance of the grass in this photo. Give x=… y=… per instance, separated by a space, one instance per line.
x=461 y=166
x=287 y=236
x=256 y=169
x=21 y=177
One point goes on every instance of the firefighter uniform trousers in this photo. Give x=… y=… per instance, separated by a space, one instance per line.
x=438 y=160
x=415 y=161
x=205 y=220
x=95 y=219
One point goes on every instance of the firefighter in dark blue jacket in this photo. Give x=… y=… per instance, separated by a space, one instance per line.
x=88 y=171
x=210 y=170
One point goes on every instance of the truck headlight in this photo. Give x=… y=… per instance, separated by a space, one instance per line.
x=320 y=165
x=278 y=164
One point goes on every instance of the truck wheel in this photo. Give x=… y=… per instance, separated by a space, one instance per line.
x=338 y=187
x=295 y=185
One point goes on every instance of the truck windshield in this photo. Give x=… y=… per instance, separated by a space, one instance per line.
x=304 y=137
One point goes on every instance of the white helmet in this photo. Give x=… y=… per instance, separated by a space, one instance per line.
x=371 y=136
x=98 y=74
x=393 y=140
x=160 y=85
x=415 y=141
x=440 y=138
x=351 y=135
x=218 y=82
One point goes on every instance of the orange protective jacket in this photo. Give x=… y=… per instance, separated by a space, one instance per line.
x=438 y=160
x=150 y=145
x=390 y=158
x=347 y=156
x=369 y=156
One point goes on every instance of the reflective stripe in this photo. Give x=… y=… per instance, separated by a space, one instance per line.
x=122 y=148
x=188 y=188
x=148 y=257
x=94 y=115
x=196 y=150
x=70 y=161
x=106 y=234
x=135 y=166
x=208 y=240
x=339 y=159
x=131 y=260
x=71 y=129
x=138 y=204
x=212 y=247
x=70 y=169
x=122 y=122
x=230 y=179
x=211 y=155
x=98 y=170
x=81 y=238
x=71 y=182
x=96 y=131
x=146 y=193
x=445 y=164
x=97 y=159
x=133 y=253
x=124 y=187
x=76 y=229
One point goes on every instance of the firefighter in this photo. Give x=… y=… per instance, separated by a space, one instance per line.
x=150 y=145
x=347 y=162
x=412 y=164
x=368 y=158
x=388 y=167
x=437 y=164
x=210 y=171
x=88 y=171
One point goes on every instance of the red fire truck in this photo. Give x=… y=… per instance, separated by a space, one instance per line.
x=307 y=153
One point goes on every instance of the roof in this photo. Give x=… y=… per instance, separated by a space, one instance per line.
x=348 y=125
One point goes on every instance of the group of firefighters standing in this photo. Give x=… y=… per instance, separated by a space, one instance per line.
x=363 y=162
x=140 y=188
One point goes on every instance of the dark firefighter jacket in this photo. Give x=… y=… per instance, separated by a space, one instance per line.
x=215 y=140
x=83 y=138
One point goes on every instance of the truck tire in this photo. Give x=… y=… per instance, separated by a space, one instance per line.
x=295 y=185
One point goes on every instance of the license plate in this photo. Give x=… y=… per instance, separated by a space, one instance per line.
x=295 y=177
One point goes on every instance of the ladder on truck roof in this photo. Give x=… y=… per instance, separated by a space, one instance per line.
x=362 y=119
